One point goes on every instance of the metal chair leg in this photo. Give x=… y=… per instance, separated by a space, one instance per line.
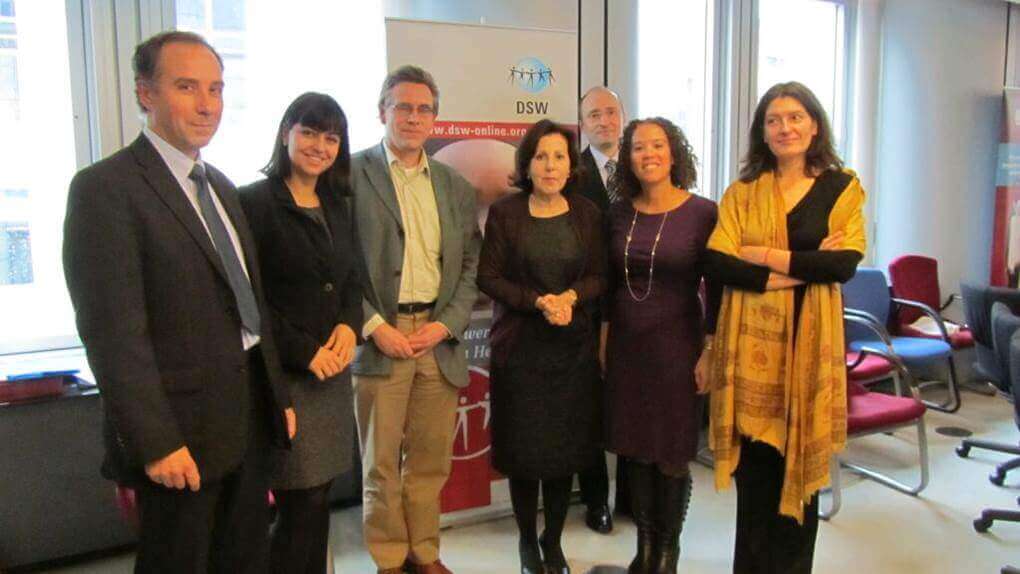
x=913 y=490
x=953 y=403
x=834 y=489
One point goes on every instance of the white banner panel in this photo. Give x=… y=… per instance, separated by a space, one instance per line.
x=491 y=74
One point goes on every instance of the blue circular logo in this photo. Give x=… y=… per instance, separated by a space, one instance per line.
x=531 y=75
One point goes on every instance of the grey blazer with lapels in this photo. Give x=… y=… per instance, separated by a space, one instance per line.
x=381 y=230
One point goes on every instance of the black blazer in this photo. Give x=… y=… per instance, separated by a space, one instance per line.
x=158 y=319
x=311 y=282
x=589 y=183
x=504 y=275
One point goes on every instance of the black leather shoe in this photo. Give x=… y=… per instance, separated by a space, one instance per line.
x=599 y=519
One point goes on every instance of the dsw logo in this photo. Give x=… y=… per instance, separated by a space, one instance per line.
x=471 y=434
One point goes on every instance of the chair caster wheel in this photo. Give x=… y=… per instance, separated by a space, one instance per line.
x=982 y=524
x=997 y=478
x=962 y=451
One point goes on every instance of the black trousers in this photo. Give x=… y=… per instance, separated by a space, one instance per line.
x=221 y=528
x=594 y=482
x=768 y=543
x=300 y=537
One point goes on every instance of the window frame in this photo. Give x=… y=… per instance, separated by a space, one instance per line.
x=738 y=37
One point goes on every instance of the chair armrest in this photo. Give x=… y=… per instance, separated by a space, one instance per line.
x=868 y=320
x=851 y=311
x=927 y=311
x=897 y=364
x=949 y=301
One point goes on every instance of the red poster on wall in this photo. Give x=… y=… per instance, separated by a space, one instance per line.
x=1005 y=269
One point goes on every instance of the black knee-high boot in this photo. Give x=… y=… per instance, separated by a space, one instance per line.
x=524 y=498
x=555 y=501
x=641 y=486
x=672 y=497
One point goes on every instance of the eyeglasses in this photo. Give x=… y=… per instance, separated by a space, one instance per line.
x=405 y=110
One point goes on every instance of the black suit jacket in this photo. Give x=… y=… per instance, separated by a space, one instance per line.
x=589 y=183
x=312 y=281
x=158 y=319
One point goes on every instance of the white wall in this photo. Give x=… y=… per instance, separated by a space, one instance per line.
x=938 y=132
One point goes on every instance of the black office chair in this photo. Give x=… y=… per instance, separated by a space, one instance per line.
x=1006 y=335
x=977 y=309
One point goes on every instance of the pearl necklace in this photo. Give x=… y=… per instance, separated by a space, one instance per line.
x=651 y=266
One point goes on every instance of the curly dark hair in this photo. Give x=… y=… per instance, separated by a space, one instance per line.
x=683 y=173
x=821 y=154
x=529 y=145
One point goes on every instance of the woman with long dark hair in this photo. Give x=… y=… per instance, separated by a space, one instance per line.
x=655 y=330
x=790 y=230
x=543 y=264
x=310 y=261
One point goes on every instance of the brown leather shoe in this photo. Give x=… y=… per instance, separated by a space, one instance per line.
x=436 y=567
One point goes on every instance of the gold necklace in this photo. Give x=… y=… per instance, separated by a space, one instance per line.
x=651 y=265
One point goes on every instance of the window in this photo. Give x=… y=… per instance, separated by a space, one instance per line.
x=675 y=65
x=15 y=253
x=272 y=53
x=8 y=86
x=38 y=148
x=804 y=40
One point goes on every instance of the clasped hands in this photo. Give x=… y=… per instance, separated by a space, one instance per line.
x=557 y=309
x=334 y=356
x=397 y=345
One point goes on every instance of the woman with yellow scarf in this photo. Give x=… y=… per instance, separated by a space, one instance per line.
x=790 y=230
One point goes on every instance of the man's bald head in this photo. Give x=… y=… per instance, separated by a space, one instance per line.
x=602 y=119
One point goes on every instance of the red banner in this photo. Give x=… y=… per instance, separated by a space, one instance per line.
x=1005 y=269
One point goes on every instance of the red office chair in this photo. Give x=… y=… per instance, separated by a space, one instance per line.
x=870 y=413
x=916 y=278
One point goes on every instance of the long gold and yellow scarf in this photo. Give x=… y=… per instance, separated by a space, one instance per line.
x=768 y=385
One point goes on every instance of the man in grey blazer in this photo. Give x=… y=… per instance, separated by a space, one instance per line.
x=417 y=225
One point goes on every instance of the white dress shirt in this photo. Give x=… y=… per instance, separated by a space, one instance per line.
x=180 y=166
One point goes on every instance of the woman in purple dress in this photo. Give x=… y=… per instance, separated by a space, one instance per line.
x=655 y=330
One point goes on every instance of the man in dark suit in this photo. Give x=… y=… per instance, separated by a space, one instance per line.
x=602 y=123
x=161 y=267
x=419 y=233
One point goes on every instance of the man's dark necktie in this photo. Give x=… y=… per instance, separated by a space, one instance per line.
x=239 y=283
x=611 y=189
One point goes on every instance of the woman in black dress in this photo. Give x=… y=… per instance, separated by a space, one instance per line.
x=543 y=264
x=655 y=331
x=301 y=218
